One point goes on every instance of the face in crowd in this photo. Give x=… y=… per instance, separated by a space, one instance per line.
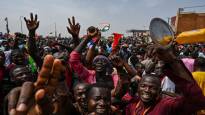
x=19 y=74
x=99 y=100
x=80 y=95
x=102 y=64
x=149 y=89
x=159 y=68
x=140 y=68
x=110 y=40
x=17 y=57
x=47 y=50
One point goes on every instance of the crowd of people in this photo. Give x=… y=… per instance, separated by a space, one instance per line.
x=94 y=76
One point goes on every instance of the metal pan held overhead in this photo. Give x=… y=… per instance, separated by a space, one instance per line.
x=160 y=31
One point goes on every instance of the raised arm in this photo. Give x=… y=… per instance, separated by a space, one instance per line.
x=125 y=76
x=75 y=60
x=91 y=32
x=74 y=29
x=192 y=98
x=91 y=51
x=32 y=24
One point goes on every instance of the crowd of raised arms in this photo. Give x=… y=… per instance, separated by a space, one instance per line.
x=91 y=76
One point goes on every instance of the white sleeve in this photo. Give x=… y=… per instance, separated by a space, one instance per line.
x=167 y=85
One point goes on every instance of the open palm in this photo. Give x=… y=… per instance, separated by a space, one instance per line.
x=32 y=24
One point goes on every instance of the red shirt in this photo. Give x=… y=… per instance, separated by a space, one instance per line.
x=192 y=101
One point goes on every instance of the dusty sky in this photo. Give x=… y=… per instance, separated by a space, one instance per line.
x=121 y=14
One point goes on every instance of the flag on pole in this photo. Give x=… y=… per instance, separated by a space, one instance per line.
x=104 y=27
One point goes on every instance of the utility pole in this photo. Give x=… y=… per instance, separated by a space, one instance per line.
x=55 y=31
x=21 y=24
x=7 y=25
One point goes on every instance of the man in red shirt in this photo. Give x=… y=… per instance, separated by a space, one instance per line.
x=150 y=100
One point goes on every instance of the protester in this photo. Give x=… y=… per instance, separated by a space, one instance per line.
x=80 y=97
x=99 y=100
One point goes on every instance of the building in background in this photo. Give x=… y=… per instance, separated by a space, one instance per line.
x=186 y=21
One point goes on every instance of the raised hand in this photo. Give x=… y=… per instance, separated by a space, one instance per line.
x=46 y=96
x=73 y=28
x=32 y=24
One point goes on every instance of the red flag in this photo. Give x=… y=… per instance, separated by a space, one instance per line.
x=117 y=37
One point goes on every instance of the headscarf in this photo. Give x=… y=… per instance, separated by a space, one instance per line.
x=106 y=60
